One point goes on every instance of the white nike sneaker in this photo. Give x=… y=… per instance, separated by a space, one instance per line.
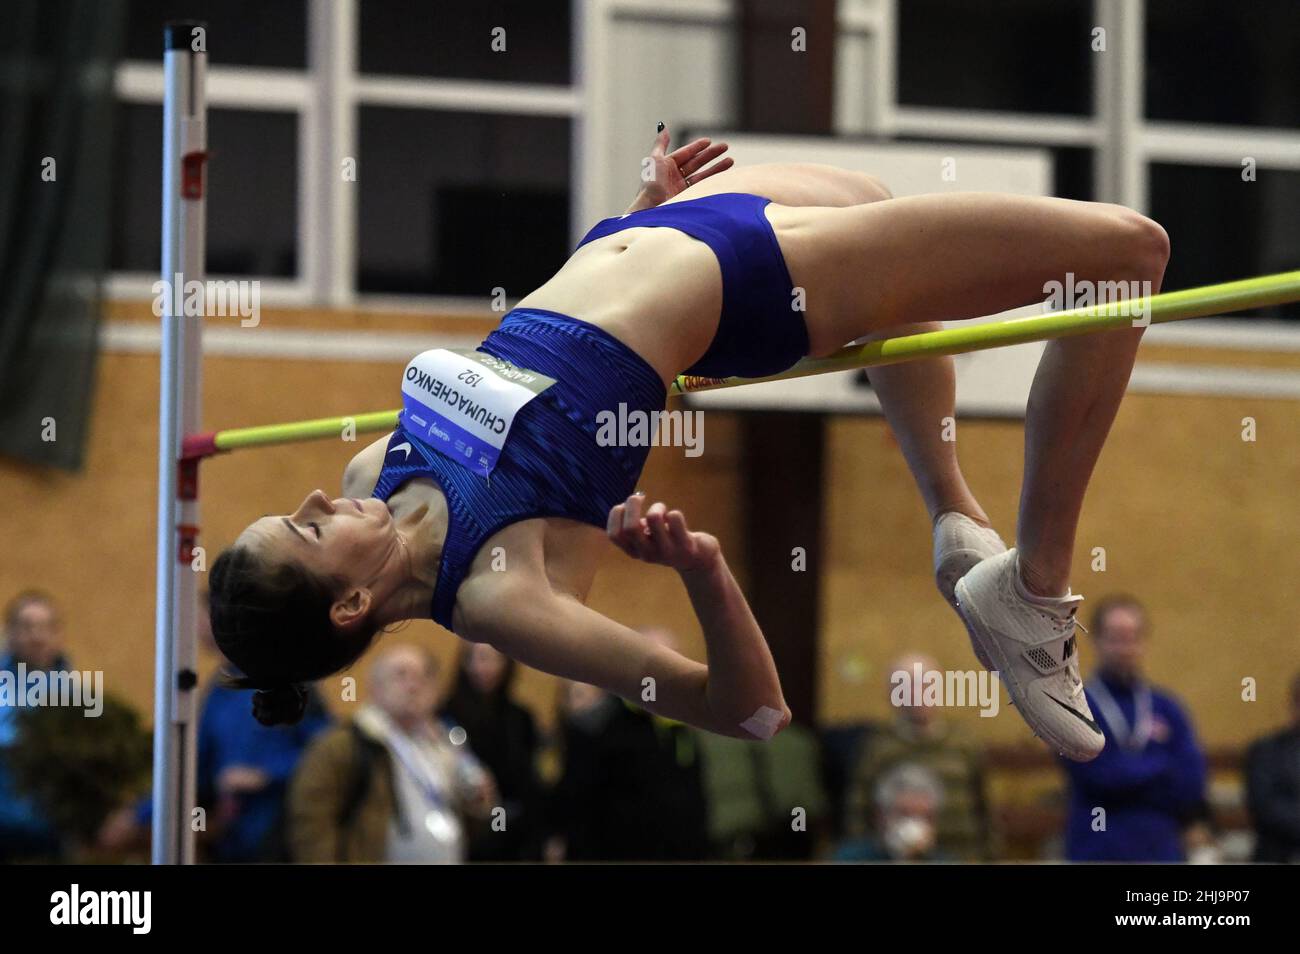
x=1033 y=648
x=960 y=543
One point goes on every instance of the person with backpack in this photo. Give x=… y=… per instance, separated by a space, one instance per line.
x=390 y=784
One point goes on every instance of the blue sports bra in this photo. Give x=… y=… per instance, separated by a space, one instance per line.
x=552 y=464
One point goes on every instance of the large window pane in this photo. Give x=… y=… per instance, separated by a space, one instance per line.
x=1072 y=173
x=241 y=32
x=456 y=40
x=252 y=192
x=1010 y=55
x=461 y=203
x=1224 y=62
x=1221 y=228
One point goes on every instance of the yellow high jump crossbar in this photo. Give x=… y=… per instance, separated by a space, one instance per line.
x=1169 y=306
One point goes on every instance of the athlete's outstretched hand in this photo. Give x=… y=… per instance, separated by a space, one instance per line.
x=659 y=535
x=664 y=174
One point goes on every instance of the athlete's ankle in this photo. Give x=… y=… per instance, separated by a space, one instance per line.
x=1038 y=584
x=970 y=511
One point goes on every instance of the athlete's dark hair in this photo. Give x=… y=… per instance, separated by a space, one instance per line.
x=271 y=621
x=1115 y=601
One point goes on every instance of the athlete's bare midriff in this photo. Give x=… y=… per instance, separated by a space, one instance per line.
x=657 y=290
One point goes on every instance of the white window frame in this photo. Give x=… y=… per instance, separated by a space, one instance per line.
x=326 y=97
x=1124 y=142
x=327 y=94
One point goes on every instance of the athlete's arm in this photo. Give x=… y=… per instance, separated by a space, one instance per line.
x=737 y=694
x=741 y=671
x=664 y=174
x=362 y=472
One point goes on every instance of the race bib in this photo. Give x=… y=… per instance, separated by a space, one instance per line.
x=462 y=402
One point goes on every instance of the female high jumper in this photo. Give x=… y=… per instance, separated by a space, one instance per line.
x=719 y=271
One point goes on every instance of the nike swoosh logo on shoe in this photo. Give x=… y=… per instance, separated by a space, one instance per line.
x=1076 y=713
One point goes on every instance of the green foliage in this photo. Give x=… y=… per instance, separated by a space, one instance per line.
x=79 y=769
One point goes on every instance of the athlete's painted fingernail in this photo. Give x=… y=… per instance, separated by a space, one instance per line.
x=660 y=128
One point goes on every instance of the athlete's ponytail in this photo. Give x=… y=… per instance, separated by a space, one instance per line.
x=272 y=622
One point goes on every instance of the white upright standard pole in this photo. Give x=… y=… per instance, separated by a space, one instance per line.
x=185 y=62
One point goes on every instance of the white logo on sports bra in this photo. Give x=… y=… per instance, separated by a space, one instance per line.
x=403 y=447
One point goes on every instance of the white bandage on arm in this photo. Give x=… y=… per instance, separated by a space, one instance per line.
x=764 y=723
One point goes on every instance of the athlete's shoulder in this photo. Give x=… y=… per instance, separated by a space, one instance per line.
x=494 y=607
x=362 y=471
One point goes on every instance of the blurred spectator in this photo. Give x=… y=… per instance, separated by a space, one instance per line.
x=33 y=639
x=502 y=734
x=1149 y=781
x=389 y=785
x=1201 y=839
x=920 y=735
x=242 y=773
x=766 y=799
x=1273 y=789
x=630 y=787
x=908 y=799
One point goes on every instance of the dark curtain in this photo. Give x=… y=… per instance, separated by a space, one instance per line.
x=56 y=110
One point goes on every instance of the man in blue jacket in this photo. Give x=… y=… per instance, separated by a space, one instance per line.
x=1132 y=802
x=33 y=643
x=242 y=773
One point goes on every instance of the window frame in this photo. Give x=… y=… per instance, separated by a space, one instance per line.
x=326 y=97
x=1125 y=144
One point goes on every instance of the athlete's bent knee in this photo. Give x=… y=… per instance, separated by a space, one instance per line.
x=1143 y=242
